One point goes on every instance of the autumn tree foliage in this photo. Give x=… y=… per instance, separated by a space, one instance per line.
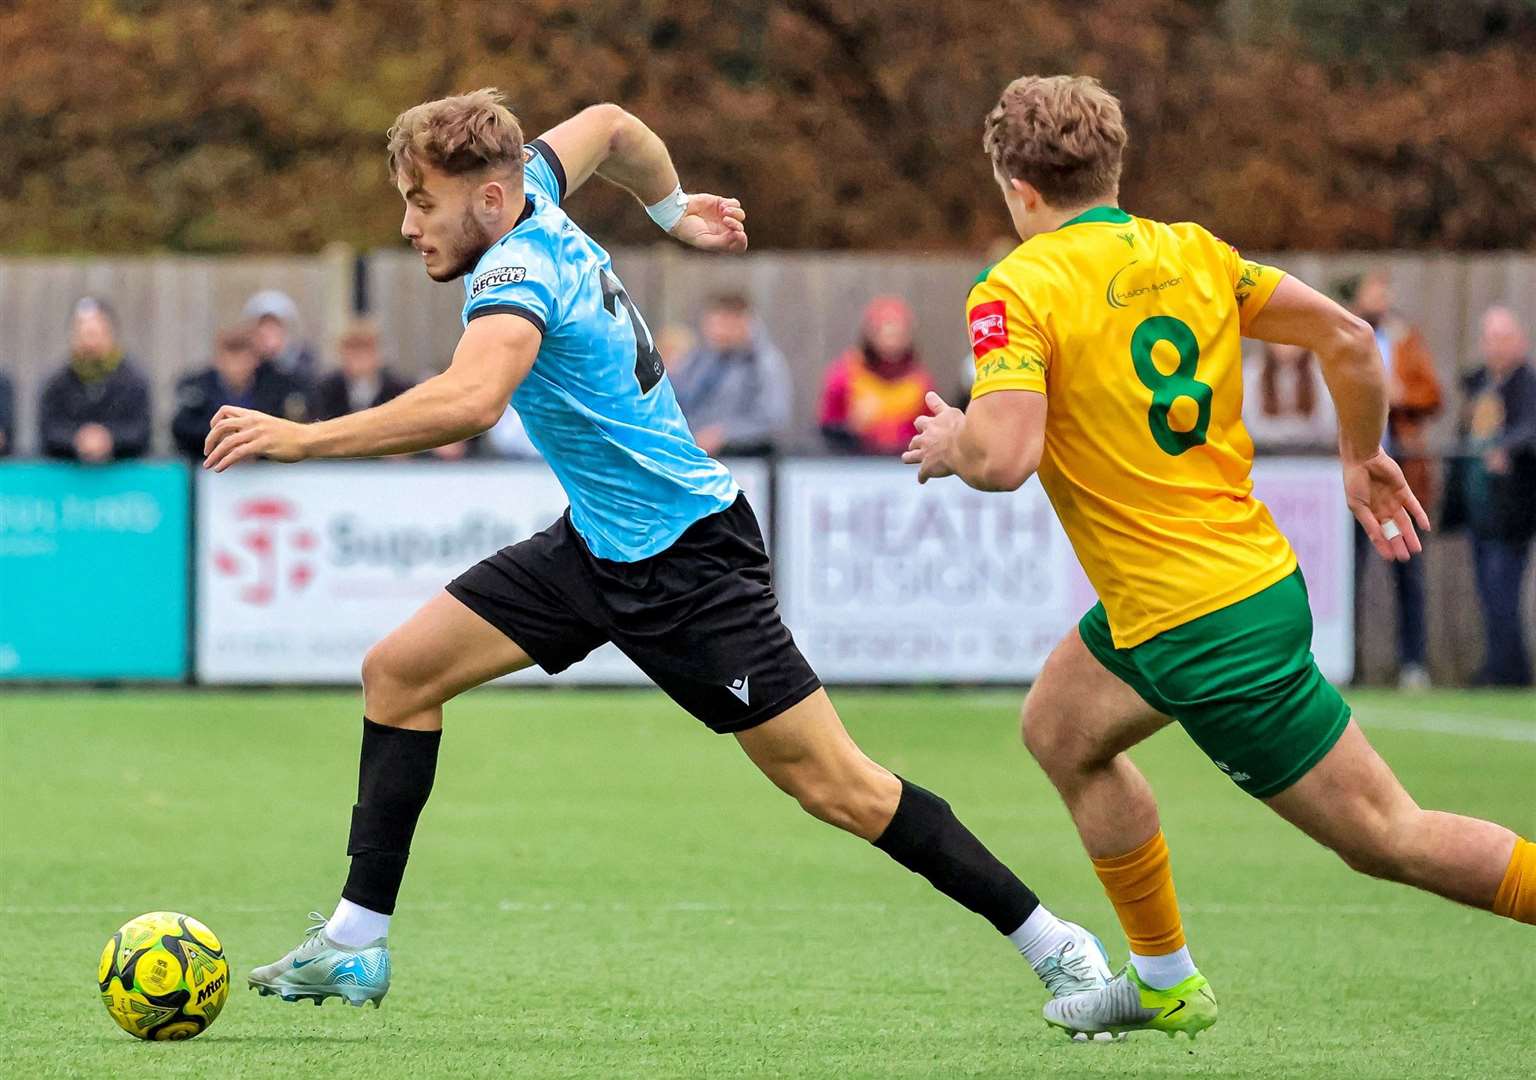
x=222 y=125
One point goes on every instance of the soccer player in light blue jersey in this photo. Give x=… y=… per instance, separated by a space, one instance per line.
x=659 y=552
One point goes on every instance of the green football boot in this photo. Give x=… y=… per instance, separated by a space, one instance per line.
x=1128 y=1004
x=319 y=968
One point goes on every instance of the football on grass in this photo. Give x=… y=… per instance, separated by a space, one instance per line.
x=163 y=976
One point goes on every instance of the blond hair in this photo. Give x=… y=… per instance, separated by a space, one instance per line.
x=1063 y=135
x=456 y=135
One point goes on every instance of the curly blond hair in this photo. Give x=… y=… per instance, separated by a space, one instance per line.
x=1061 y=134
x=456 y=135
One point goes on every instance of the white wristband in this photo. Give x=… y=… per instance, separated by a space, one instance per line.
x=669 y=211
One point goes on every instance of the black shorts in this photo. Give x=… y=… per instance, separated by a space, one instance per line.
x=700 y=618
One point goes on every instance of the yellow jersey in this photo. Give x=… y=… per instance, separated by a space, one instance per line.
x=1131 y=328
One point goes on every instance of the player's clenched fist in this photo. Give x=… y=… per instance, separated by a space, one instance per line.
x=235 y=434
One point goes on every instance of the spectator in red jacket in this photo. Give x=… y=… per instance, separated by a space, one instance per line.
x=875 y=389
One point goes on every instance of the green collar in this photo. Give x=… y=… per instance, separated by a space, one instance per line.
x=1098 y=213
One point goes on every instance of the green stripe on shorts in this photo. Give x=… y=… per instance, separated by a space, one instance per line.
x=1241 y=681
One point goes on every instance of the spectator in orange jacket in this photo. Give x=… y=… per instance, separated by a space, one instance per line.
x=873 y=391
x=1414 y=398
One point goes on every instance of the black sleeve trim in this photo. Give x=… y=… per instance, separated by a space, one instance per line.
x=510 y=309
x=548 y=154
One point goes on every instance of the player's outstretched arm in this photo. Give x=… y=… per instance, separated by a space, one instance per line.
x=607 y=141
x=995 y=445
x=493 y=357
x=1345 y=346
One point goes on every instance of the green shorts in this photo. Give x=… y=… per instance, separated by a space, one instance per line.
x=1241 y=680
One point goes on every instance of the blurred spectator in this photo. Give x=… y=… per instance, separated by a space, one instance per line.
x=1413 y=394
x=1285 y=402
x=362 y=381
x=274 y=319
x=675 y=342
x=96 y=407
x=236 y=377
x=7 y=416
x=874 y=391
x=1492 y=489
x=457 y=451
x=733 y=386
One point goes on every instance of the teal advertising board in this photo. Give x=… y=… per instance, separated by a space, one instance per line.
x=93 y=570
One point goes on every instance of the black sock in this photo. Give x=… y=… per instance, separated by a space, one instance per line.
x=394 y=778
x=927 y=838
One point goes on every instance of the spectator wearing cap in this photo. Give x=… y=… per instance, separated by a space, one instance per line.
x=1492 y=489
x=236 y=377
x=274 y=320
x=733 y=386
x=95 y=408
x=874 y=391
x=1414 y=399
x=7 y=416
x=361 y=380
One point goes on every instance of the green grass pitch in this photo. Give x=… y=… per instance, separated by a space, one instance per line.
x=600 y=888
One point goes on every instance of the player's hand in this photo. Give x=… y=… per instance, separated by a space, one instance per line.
x=934 y=447
x=1385 y=506
x=235 y=434
x=712 y=223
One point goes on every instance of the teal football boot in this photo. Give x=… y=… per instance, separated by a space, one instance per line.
x=319 y=968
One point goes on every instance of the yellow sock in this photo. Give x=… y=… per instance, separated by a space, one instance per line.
x=1516 y=898
x=1140 y=885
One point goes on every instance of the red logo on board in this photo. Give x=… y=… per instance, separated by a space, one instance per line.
x=989 y=327
x=274 y=551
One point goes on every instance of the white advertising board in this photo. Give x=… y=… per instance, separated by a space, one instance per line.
x=885 y=581
x=301 y=568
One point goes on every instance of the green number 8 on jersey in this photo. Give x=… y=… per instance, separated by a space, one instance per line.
x=1167 y=389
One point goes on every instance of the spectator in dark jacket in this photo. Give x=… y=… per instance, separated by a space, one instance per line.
x=96 y=407
x=7 y=416
x=1494 y=489
x=361 y=381
x=236 y=377
x=733 y=386
x=274 y=321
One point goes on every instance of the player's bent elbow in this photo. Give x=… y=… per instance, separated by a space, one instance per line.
x=487 y=415
x=1009 y=474
x=1353 y=339
x=614 y=119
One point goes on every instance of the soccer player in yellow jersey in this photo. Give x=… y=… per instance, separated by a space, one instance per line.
x=1107 y=361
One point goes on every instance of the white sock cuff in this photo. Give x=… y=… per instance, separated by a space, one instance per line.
x=1162 y=972
x=1041 y=935
x=355 y=926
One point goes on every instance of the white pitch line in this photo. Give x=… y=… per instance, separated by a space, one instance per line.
x=688 y=907
x=1410 y=719
x=1451 y=724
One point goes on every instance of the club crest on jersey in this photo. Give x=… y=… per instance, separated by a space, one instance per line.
x=502 y=275
x=989 y=327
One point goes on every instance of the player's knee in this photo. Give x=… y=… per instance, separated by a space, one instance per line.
x=1049 y=735
x=1382 y=848
x=388 y=692
x=863 y=809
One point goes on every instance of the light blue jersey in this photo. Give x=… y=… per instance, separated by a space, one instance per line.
x=597 y=403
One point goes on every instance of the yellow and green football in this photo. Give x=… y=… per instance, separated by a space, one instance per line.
x=163 y=976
